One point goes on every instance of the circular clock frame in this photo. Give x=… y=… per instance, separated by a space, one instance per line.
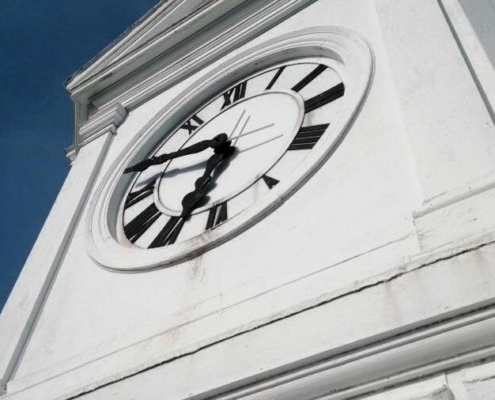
x=344 y=51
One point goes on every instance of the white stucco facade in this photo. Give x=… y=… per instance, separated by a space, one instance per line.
x=373 y=279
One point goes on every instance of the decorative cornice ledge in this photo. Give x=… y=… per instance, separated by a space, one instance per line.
x=131 y=85
x=104 y=121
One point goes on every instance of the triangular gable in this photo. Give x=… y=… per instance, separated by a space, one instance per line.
x=162 y=18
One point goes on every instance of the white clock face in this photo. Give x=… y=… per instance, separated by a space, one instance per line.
x=273 y=119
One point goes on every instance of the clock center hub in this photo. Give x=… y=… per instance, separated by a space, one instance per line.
x=261 y=128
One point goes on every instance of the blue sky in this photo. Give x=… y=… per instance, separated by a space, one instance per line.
x=41 y=44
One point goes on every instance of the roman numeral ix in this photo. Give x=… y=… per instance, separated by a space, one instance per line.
x=236 y=93
x=324 y=98
x=140 y=224
x=307 y=137
x=194 y=123
x=138 y=195
x=217 y=215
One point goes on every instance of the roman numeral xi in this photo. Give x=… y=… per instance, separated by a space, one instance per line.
x=194 y=123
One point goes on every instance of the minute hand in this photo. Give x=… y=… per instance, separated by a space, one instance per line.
x=195 y=148
x=192 y=199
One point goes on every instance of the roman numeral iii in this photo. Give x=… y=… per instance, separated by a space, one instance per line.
x=307 y=137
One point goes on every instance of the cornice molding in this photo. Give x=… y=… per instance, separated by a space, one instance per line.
x=109 y=70
x=105 y=121
x=175 y=54
x=197 y=51
x=316 y=367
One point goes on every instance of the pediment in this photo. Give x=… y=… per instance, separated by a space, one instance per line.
x=140 y=42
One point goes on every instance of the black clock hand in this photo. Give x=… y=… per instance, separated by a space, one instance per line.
x=214 y=143
x=172 y=229
x=192 y=199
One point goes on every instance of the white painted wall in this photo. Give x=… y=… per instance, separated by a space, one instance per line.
x=411 y=183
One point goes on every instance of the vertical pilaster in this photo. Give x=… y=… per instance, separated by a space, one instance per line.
x=450 y=128
x=26 y=301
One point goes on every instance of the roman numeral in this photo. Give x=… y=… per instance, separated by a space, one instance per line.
x=169 y=233
x=307 y=137
x=217 y=215
x=309 y=78
x=270 y=182
x=236 y=93
x=275 y=78
x=138 y=195
x=140 y=224
x=324 y=98
x=194 y=123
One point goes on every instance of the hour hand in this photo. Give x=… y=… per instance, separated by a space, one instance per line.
x=217 y=142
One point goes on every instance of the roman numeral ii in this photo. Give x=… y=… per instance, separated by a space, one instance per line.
x=324 y=98
x=307 y=137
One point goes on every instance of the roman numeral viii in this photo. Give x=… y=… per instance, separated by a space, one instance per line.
x=307 y=137
x=217 y=215
x=236 y=93
x=194 y=123
x=324 y=98
x=140 y=224
x=138 y=195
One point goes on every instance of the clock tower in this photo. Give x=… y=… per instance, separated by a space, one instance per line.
x=271 y=199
